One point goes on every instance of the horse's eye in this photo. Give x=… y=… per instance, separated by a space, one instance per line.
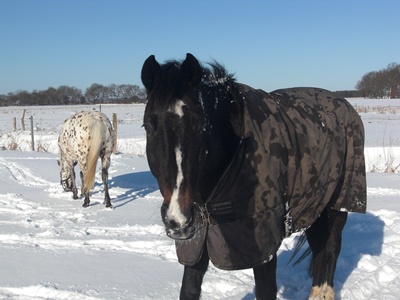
x=150 y=127
x=150 y=124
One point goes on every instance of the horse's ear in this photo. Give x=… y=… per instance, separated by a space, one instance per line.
x=191 y=70
x=151 y=72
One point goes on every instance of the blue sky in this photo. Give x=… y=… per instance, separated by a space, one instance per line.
x=267 y=44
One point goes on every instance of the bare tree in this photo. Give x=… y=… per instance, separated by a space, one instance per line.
x=95 y=93
x=69 y=95
x=383 y=83
x=393 y=77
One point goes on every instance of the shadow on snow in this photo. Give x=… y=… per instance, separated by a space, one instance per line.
x=138 y=185
x=362 y=235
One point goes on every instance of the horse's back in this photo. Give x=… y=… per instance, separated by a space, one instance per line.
x=319 y=100
x=84 y=121
x=313 y=142
x=80 y=129
x=337 y=119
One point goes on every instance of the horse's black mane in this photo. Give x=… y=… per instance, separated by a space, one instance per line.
x=219 y=90
x=217 y=74
x=215 y=78
x=214 y=72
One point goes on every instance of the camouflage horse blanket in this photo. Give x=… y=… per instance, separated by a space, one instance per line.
x=302 y=150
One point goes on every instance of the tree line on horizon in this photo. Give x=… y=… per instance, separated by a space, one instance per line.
x=68 y=95
x=384 y=83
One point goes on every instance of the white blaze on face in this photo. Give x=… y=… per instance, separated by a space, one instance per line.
x=174 y=211
x=177 y=109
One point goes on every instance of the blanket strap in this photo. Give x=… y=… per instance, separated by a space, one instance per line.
x=219 y=207
x=204 y=214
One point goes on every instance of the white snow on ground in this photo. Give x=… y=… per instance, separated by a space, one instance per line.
x=52 y=248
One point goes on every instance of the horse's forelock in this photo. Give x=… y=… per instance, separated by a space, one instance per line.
x=216 y=91
x=167 y=88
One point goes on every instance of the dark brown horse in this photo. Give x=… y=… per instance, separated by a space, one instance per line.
x=241 y=169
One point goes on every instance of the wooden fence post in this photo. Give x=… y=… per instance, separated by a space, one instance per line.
x=33 y=139
x=23 y=120
x=115 y=126
x=14 y=124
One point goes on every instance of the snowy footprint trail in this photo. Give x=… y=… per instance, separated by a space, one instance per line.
x=52 y=248
x=22 y=174
x=41 y=292
x=39 y=217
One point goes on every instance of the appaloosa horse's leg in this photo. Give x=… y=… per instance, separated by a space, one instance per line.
x=73 y=181
x=86 y=201
x=325 y=240
x=83 y=183
x=105 y=162
x=193 y=278
x=265 y=279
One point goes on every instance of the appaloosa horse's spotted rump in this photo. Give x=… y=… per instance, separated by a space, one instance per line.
x=84 y=138
x=241 y=169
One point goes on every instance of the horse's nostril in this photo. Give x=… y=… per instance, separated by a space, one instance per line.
x=173 y=225
x=164 y=209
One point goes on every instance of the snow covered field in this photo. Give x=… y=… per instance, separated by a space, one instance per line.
x=52 y=248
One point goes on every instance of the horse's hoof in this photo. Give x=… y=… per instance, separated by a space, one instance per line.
x=85 y=204
x=107 y=203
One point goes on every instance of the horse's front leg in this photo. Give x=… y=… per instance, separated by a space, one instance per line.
x=104 y=176
x=73 y=181
x=83 y=183
x=193 y=278
x=265 y=279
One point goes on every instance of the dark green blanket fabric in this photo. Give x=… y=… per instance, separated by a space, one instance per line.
x=302 y=150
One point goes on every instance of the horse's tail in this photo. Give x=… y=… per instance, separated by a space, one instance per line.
x=95 y=143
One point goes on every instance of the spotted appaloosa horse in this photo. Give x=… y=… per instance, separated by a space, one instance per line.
x=241 y=169
x=84 y=138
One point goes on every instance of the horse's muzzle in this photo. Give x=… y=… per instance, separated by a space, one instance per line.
x=178 y=231
x=181 y=233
